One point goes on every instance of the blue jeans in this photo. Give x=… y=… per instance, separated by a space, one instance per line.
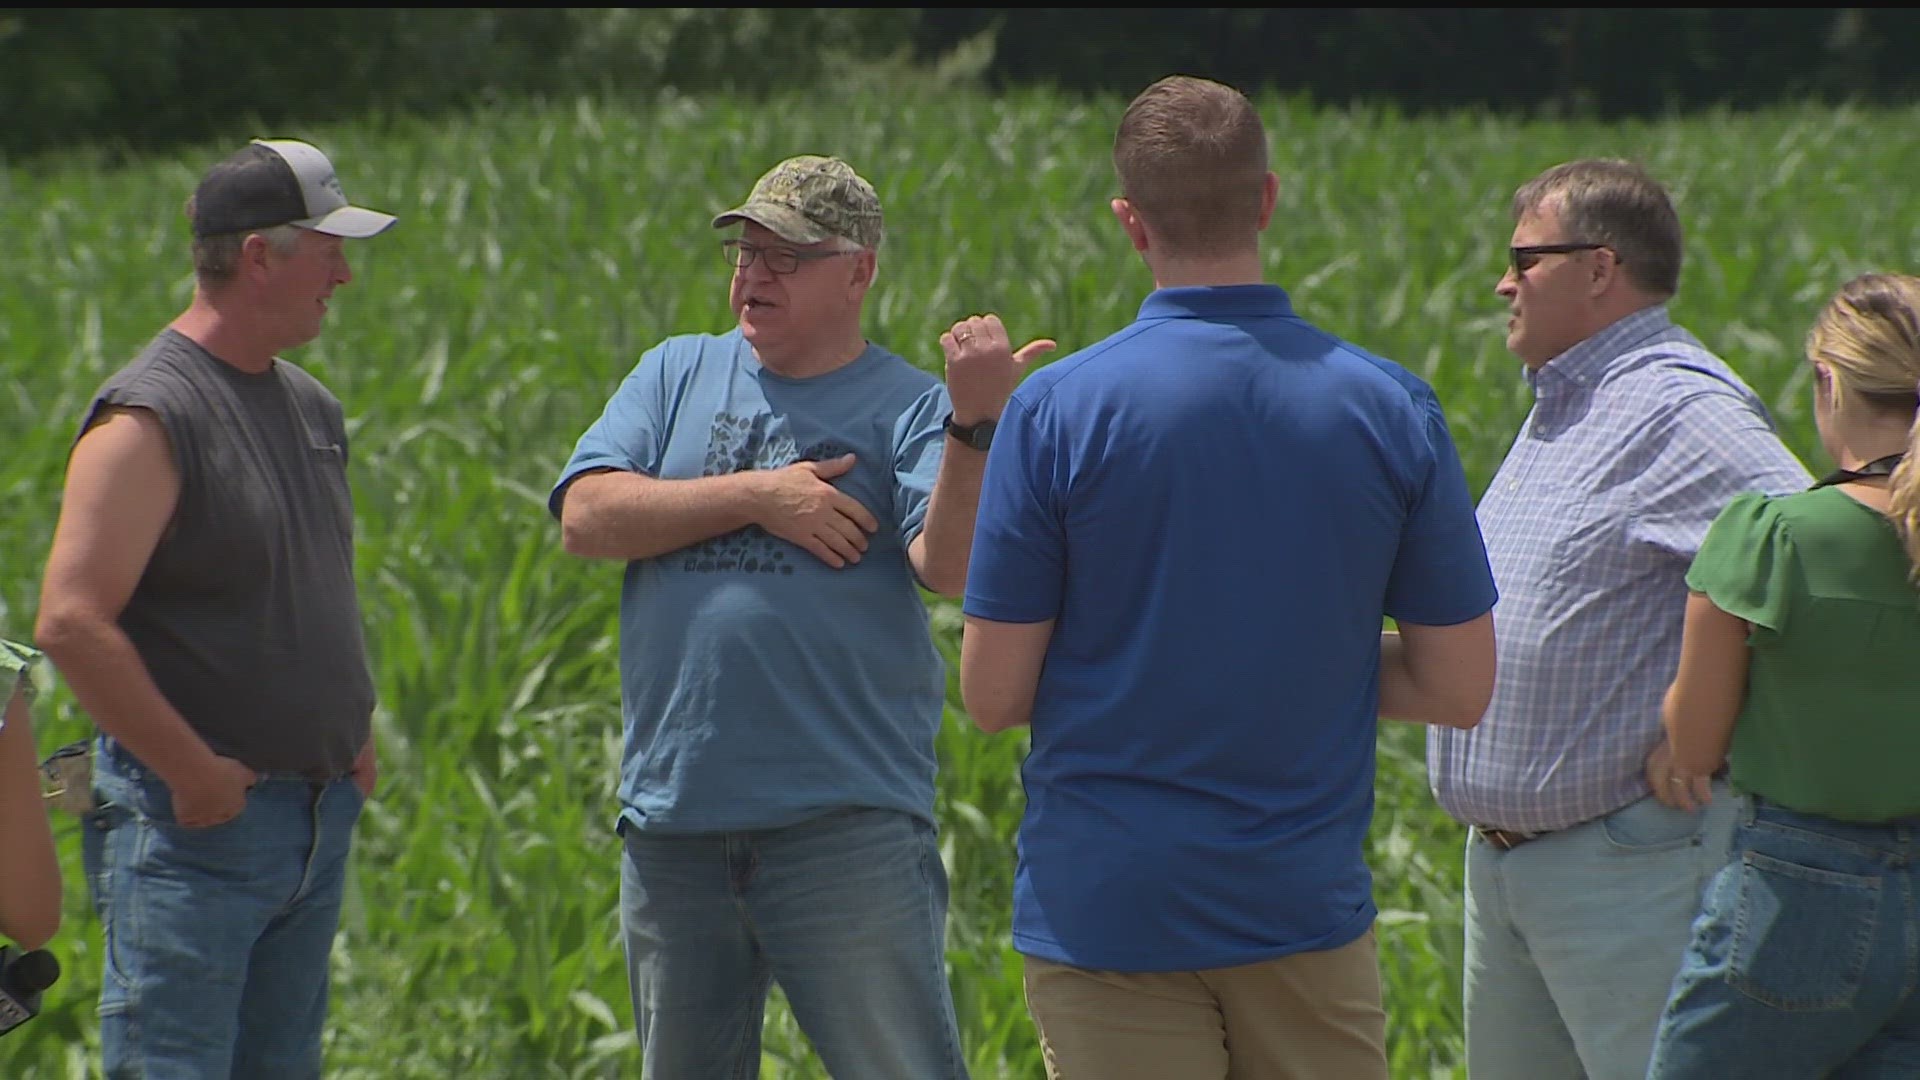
x=847 y=911
x=1805 y=959
x=216 y=939
x=1573 y=939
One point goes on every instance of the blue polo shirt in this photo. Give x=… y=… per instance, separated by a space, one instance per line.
x=1217 y=505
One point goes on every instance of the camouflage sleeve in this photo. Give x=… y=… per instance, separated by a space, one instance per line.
x=16 y=662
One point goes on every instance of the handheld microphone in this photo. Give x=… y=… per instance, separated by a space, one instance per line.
x=22 y=977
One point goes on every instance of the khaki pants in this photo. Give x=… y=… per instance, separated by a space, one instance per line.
x=1309 y=1016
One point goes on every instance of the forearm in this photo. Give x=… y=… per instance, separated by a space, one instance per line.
x=366 y=767
x=1000 y=668
x=627 y=516
x=1708 y=689
x=1400 y=697
x=30 y=884
x=940 y=553
x=1420 y=694
x=99 y=664
x=1698 y=737
x=993 y=722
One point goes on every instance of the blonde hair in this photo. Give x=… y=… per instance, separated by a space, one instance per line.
x=1869 y=334
x=1191 y=156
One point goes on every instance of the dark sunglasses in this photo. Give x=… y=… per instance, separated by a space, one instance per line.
x=1523 y=259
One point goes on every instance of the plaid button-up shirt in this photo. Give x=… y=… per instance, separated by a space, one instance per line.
x=1637 y=438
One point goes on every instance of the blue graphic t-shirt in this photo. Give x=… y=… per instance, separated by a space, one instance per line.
x=761 y=686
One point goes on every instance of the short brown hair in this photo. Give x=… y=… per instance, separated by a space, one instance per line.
x=1616 y=203
x=1191 y=155
x=216 y=259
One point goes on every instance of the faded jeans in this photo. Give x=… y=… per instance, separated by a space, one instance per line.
x=216 y=940
x=846 y=911
x=1573 y=939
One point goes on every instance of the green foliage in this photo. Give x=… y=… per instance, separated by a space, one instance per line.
x=145 y=78
x=1573 y=61
x=69 y=74
x=542 y=247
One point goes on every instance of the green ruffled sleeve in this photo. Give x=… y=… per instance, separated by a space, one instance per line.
x=16 y=667
x=1747 y=565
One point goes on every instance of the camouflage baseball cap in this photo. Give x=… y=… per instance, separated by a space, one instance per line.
x=808 y=199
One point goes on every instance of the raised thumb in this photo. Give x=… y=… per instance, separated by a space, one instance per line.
x=1037 y=347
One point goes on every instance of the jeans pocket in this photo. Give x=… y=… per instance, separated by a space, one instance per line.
x=97 y=826
x=173 y=831
x=1648 y=825
x=124 y=841
x=1801 y=936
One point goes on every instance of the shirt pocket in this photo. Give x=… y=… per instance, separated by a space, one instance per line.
x=1590 y=548
x=328 y=463
x=1543 y=534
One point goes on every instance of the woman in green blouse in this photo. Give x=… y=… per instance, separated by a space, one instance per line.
x=1800 y=669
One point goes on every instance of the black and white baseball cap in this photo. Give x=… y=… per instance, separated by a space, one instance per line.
x=279 y=182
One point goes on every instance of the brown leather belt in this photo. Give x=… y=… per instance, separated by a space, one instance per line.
x=1504 y=840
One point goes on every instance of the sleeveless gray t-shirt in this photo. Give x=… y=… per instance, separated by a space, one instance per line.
x=247 y=616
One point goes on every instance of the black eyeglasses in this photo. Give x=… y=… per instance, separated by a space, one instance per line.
x=1523 y=259
x=780 y=260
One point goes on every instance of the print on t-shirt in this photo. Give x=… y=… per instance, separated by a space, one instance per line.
x=738 y=443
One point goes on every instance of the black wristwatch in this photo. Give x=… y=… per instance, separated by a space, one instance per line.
x=979 y=436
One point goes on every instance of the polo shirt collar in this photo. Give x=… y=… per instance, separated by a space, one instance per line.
x=1216 y=302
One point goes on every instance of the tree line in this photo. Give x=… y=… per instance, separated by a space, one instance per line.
x=132 y=78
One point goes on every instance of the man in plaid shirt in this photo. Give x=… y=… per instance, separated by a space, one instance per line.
x=1584 y=864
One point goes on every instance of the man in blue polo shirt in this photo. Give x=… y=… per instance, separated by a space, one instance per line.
x=1187 y=538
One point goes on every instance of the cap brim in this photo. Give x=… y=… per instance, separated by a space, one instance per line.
x=352 y=222
x=786 y=222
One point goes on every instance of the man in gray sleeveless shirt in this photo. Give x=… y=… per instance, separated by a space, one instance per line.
x=199 y=600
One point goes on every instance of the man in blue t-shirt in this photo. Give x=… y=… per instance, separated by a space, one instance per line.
x=776 y=493
x=1188 y=536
